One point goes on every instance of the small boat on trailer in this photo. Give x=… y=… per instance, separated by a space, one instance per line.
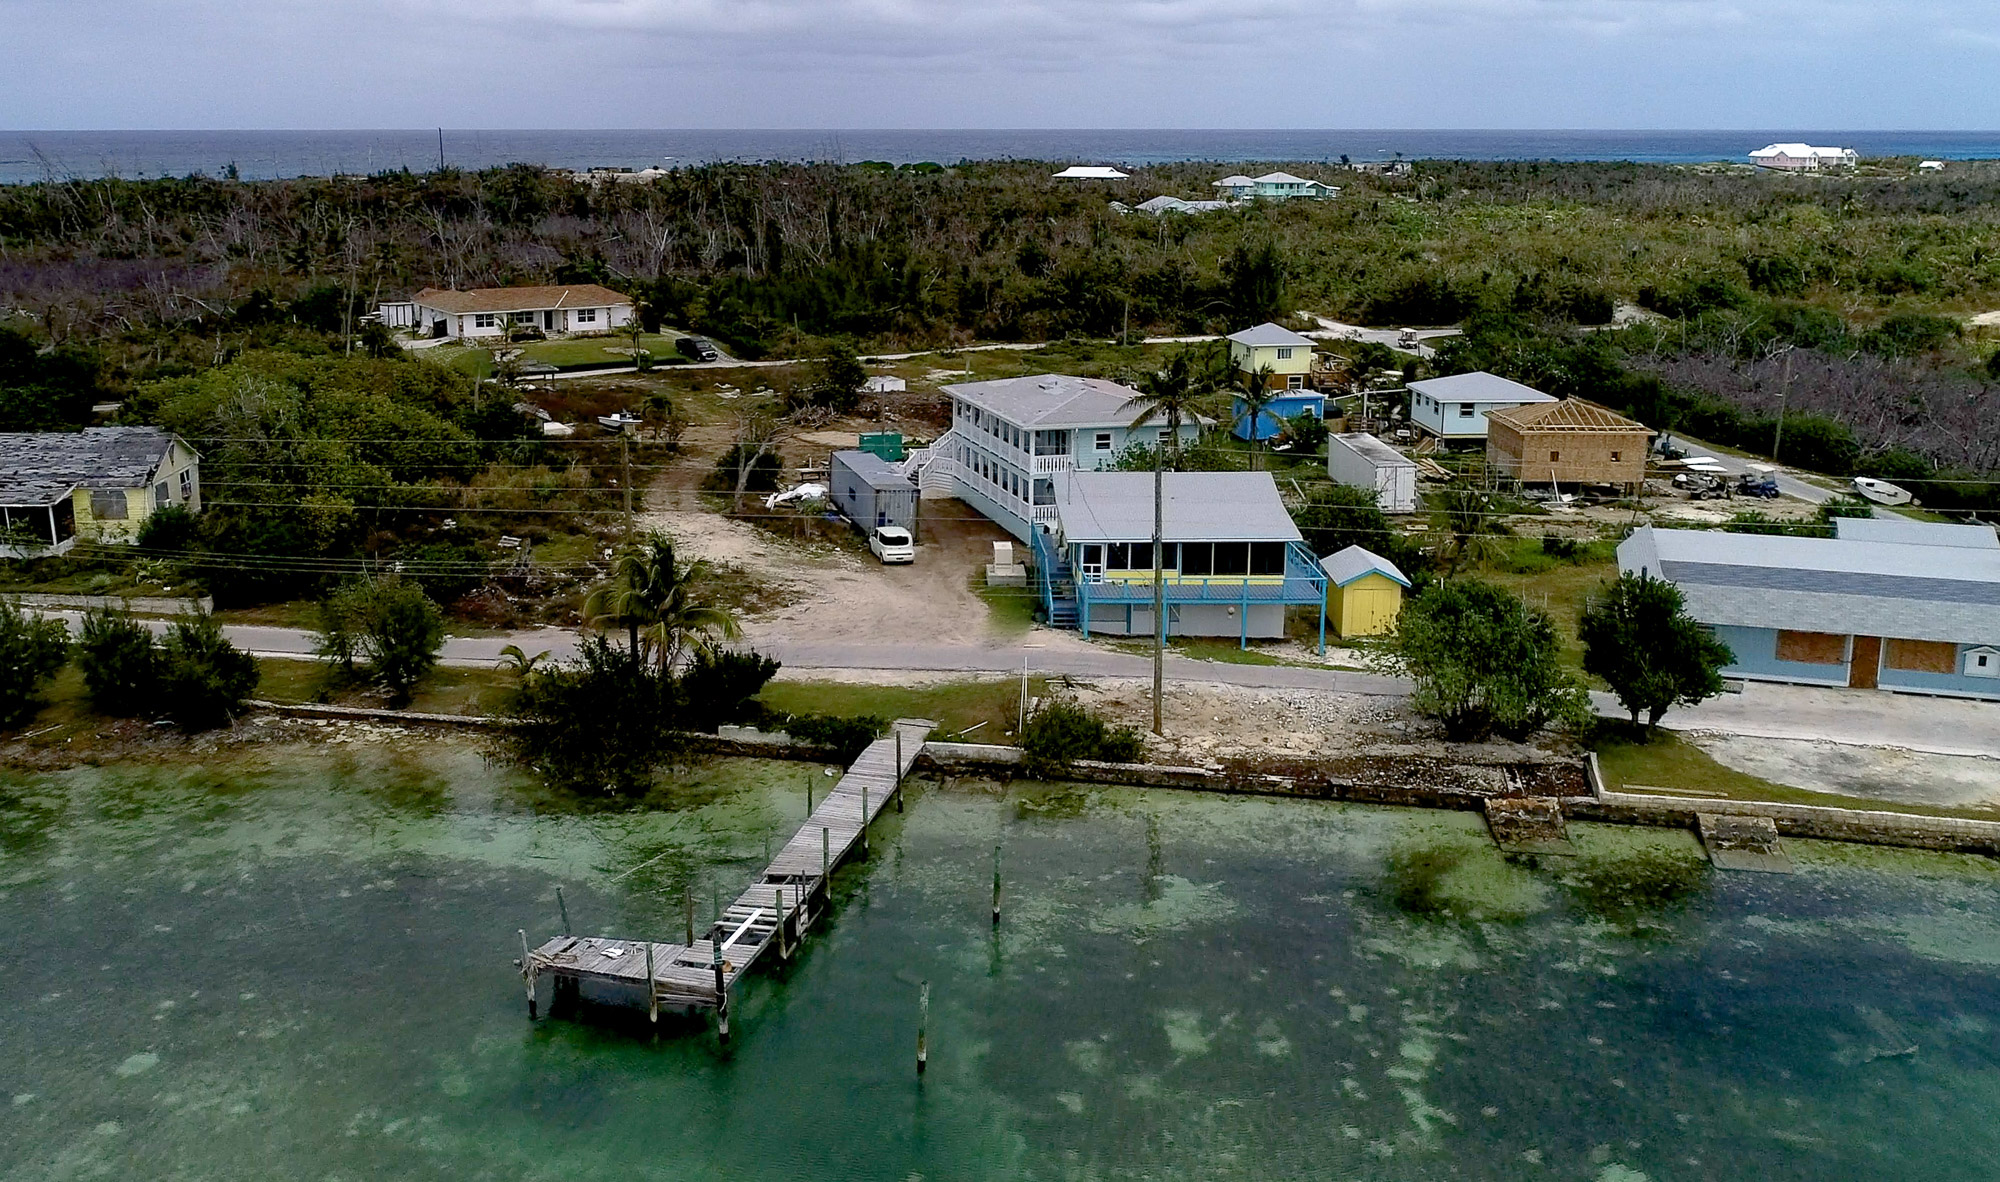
x=1881 y=491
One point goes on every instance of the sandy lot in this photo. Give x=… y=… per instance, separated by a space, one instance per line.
x=1885 y=773
x=1206 y=722
x=834 y=594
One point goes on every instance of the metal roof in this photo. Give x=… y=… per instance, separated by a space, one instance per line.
x=1089 y=172
x=1198 y=507
x=1479 y=386
x=42 y=466
x=1237 y=181
x=1868 y=588
x=1053 y=400
x=1915 y=533
x=1268 y=333
x=1352 y=563
x=1376 y=452
x=874 y=471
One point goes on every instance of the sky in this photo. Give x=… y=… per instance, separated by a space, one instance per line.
x=182 y=64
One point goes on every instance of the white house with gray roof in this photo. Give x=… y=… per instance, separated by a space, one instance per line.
x=1885 y=604
x=1455 y=408
x=1232 y=561
x=1011 y=438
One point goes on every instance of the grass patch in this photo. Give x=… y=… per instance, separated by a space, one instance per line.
x=1011 y=610
x=446 y=690
x=957 y=706
x=1558 y=586
x=1631 y=761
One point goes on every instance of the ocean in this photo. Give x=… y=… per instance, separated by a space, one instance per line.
x=27 y=156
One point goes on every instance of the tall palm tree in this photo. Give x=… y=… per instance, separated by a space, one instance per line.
x=658 y=602
x=1254 y=388
x=1170 y=392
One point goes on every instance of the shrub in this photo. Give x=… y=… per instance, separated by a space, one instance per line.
x=1908 y=334
x=391 y=626
x=765 y=469
x=845 y=737
x=600 y=723
x=1062 y=732
x=1484 y=661
x=122 y=668
x=172 y=528
x=206 y=679
x=718 y=686
x=31 y=651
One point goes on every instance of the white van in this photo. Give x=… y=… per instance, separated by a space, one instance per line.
x=891 y=543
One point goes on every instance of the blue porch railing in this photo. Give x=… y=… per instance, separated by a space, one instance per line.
x=1303 y=583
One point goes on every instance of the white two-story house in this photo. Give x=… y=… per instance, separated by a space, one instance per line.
x=1012 y=439
x=1455 y=408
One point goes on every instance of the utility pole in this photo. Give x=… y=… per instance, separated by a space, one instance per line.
x=625 y=482
x=1784 y=391
x=1159 y=574
x=440 y=149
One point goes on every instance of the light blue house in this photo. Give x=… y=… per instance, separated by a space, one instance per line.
x=1889 y=604
x=1011 y=438
x=1273 y=186
x=1232 y=561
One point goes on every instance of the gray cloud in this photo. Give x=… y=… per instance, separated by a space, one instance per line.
x=999 y=63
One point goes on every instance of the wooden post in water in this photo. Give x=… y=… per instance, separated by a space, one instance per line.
x=899 y=769
x=690 y=915
x=809 y=794
x=923 y=1025
x=826 y=860
x=864 y=820
x=996 y=886
x=562 y=907
x=784 y=952
x=652 y=991
x=528 y=972
x=721 y=988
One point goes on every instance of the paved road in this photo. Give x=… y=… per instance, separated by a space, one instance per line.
x=1943 y=726
x=1734 y=466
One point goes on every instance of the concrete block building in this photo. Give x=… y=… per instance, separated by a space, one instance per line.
x=1888 y=604
x=491 y=311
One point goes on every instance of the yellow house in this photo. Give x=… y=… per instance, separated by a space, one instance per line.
x=1364 y=592
x=1285 y=353
x=98 y=484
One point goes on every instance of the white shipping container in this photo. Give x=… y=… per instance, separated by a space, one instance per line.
x=1363 y=461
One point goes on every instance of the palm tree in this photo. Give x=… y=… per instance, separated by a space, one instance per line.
x=1254 y=388
x=658 y=601
x=1170 y=391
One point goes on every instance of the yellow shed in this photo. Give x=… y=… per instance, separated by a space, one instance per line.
x=1364 y=592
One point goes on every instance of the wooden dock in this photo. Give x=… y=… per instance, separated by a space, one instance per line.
x=773 y=914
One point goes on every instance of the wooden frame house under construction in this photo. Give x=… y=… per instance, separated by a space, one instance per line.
x=1567 y=442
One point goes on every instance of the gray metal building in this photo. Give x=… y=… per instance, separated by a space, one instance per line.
x=870 y=491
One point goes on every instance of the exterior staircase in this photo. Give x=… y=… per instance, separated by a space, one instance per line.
x=1058 y=582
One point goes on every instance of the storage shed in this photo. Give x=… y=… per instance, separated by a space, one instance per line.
x=870 y=491
x=1364 y=592
x=1363 y=461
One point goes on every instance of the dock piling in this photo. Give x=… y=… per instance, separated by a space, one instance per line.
x=784 y=950
x=996 y=886
x=528 y=972
x=564 y=908
x=690 y=916
x=721 y=988
x=864 y=821
x=652 y=988
x=923 y=1025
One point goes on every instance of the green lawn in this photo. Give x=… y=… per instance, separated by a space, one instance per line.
x=446 y=690
x=958 y=707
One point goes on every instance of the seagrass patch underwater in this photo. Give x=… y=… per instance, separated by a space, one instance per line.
x=297 y=964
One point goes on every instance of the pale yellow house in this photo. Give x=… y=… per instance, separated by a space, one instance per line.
x=1364 y=592
x=1285 y=353
x=98 y=484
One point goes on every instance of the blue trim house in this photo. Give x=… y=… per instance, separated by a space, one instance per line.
x=1013 y=439
x=1232 y=560
x=1891 y=604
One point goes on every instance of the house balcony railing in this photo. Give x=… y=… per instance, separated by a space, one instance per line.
x=1302 y=583
x=1045 y=513
x=1047 y=464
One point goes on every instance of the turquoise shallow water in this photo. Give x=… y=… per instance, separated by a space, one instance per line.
x=296 y=965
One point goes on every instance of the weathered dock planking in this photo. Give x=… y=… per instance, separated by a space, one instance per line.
x=773 y=913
